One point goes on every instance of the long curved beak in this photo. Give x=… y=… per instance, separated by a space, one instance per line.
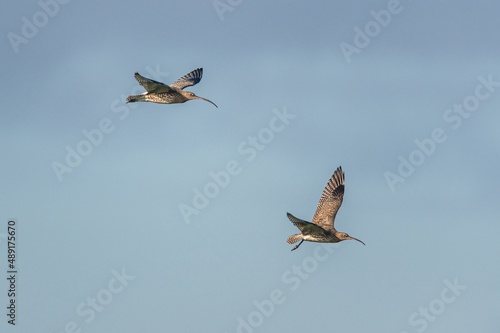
x=209 y=101
x=357 y=240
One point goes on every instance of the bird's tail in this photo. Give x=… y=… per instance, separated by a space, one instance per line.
x=135 y=98
x=294 y=238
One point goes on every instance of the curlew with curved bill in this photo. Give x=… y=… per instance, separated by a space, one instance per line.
x=322 y=228
x=158 y=92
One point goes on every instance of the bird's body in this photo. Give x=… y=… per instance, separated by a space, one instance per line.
x=158 y=92
x=322 y=228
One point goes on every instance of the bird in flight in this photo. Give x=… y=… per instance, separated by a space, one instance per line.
x=158 y=92
x=321 y=229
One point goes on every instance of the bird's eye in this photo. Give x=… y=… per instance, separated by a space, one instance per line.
x=346 y=235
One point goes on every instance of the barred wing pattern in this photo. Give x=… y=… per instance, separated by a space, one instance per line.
x=330 y=201
x=190 y=79
x=152 y=86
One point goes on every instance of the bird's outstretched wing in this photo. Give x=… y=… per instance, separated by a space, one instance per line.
x=305 y=227
x=330 y=201
x=152 y=85
x=190 y=79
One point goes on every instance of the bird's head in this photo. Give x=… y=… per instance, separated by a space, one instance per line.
x=191 y=95
x=344 y=236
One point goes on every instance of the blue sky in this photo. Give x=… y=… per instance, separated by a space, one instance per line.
x=403 y=95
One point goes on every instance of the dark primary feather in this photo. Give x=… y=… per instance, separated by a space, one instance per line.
x=330 y=201
x=190 y=79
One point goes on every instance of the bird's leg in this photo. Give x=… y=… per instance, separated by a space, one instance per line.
x=297 y=246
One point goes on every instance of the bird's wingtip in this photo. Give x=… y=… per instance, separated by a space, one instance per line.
x=291 y=217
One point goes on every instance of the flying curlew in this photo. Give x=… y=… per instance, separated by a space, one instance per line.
x=321 y=229
x=158 y=92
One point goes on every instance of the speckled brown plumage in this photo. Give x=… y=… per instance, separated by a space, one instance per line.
x=158 y=92
x=322 y=228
